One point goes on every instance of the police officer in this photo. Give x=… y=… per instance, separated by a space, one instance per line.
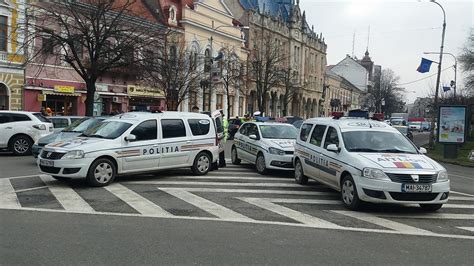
x=225 y=123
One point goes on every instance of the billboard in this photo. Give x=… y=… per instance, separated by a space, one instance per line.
x=452 y=124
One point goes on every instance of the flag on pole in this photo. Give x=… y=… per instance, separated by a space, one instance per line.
x=446 y=88
x=424 y=65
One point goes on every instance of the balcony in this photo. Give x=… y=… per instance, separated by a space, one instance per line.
x=3 y=56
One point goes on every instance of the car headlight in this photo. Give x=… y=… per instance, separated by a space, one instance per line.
x=375 y=174
x=40 y=127
x=276 y=151
x=442 y=176
x=74 y=155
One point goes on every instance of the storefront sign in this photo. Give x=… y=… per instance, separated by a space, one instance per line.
x=101 y=87
x=64 y=89
x=133 y=90
x=452 y=124
x=41 y=98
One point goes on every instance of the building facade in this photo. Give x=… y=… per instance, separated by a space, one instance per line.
x=305 y=50
x=342 y=95
x=12 y=17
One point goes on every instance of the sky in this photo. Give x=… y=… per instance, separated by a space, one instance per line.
x=400 y=32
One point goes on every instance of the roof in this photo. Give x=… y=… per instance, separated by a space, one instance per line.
x=354 y=124
x=135 y=116
x=274 y=8
x=18 y=112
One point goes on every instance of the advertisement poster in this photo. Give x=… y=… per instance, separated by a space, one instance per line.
x=452 y=124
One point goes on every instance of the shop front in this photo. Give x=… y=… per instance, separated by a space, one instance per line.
x=62 y=100
x=145 y=99
x=109 y=99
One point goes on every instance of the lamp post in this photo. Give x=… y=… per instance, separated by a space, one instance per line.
x=455 y=68
x=431 y=143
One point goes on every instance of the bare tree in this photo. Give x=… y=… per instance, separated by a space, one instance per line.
x=266 y=61
x=389 y=93
x=176 y=70
x=291 y=85
x=467 y=62
x=94 y=37
x=231 y=73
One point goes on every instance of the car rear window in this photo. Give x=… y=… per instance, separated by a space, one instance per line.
x=41 y=117
x=199 y=127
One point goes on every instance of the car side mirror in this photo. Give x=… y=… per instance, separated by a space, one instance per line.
x=423 y=150
x=332 y=147
x=253 y=136
x=130 y=138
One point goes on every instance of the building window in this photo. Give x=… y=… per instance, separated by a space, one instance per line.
x=77 y=46
x=207 y=58
x=219 y=100
x=241 y=106
x=3 y=33
x=48 y=46
x=192 y=100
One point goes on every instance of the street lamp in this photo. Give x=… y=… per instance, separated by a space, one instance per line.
x=431 y=143
x=455 y=68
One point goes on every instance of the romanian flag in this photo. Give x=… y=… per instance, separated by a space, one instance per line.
x=408 y=165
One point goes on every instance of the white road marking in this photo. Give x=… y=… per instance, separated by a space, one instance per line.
x=370 y=218
x=461 y=176
x=164 y=182
x=206 y=205
x=29 y=189
x=460 y=193
x=66 y=196
x=23 y=176
x=260 y=178
x=8 y=198
x=453 y=216
x=139 y=203
x=306 y=201
x=461 y=198
x=290 y=213
x=253 y=191
x=467 y=228
x=458 y=206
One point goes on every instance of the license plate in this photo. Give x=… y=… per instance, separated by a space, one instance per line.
x=416 y=188
x=46 y=163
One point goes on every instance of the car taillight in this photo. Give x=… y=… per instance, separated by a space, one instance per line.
x=217 y=140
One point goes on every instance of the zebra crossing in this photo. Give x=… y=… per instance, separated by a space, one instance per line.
x=234 y=194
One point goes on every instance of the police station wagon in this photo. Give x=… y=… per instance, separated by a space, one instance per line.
x=134 y=143
x=368 y=161
x=267 y=145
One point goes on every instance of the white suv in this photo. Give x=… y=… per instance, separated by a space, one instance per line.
x=19 y=130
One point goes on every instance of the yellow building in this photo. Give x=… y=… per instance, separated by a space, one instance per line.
x=12 y=18
x=208 y=30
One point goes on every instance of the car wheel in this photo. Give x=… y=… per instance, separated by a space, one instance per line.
x=349 y=195
x=234 y=156
x=21 y=145
x=101 y=173
x=202 y=164
x=431 y=207
x=260 y=164
x=300 y=178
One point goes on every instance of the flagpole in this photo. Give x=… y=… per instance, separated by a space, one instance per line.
x=431 y=143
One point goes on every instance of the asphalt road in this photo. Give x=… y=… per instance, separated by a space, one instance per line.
x=230 y=216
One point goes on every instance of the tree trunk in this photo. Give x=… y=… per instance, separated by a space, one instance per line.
x=90 y=84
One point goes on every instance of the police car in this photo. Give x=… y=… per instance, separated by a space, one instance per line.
x=133 y=143
x=267 y=145
x=368 y=161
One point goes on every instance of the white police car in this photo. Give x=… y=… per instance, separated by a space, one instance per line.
x=132 y=143
x=367 y=160
x=268 y=145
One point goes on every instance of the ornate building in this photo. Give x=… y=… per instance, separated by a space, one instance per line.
x=305 y=52
x=12 y=15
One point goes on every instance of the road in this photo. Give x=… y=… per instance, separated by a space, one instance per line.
x=230 y=216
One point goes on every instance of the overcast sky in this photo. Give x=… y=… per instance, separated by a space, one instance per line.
x=400 y=31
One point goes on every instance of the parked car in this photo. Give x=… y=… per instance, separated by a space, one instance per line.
x=298 y=123
x=134 y=143
x=19 y=130
x=70 y=132
x=425 y=126
x=268 y=145
x=234 y=125
x=405 y=131
x=61 y=122
x=292 y=119
x=415 y=126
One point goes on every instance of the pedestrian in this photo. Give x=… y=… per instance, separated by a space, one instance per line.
x=195 y=109
x=49 y=112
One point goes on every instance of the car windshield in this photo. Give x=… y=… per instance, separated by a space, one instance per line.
x=82 y=124
x=278 y=132
x=377 y=141
x=403 y=130
x=107 y=130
